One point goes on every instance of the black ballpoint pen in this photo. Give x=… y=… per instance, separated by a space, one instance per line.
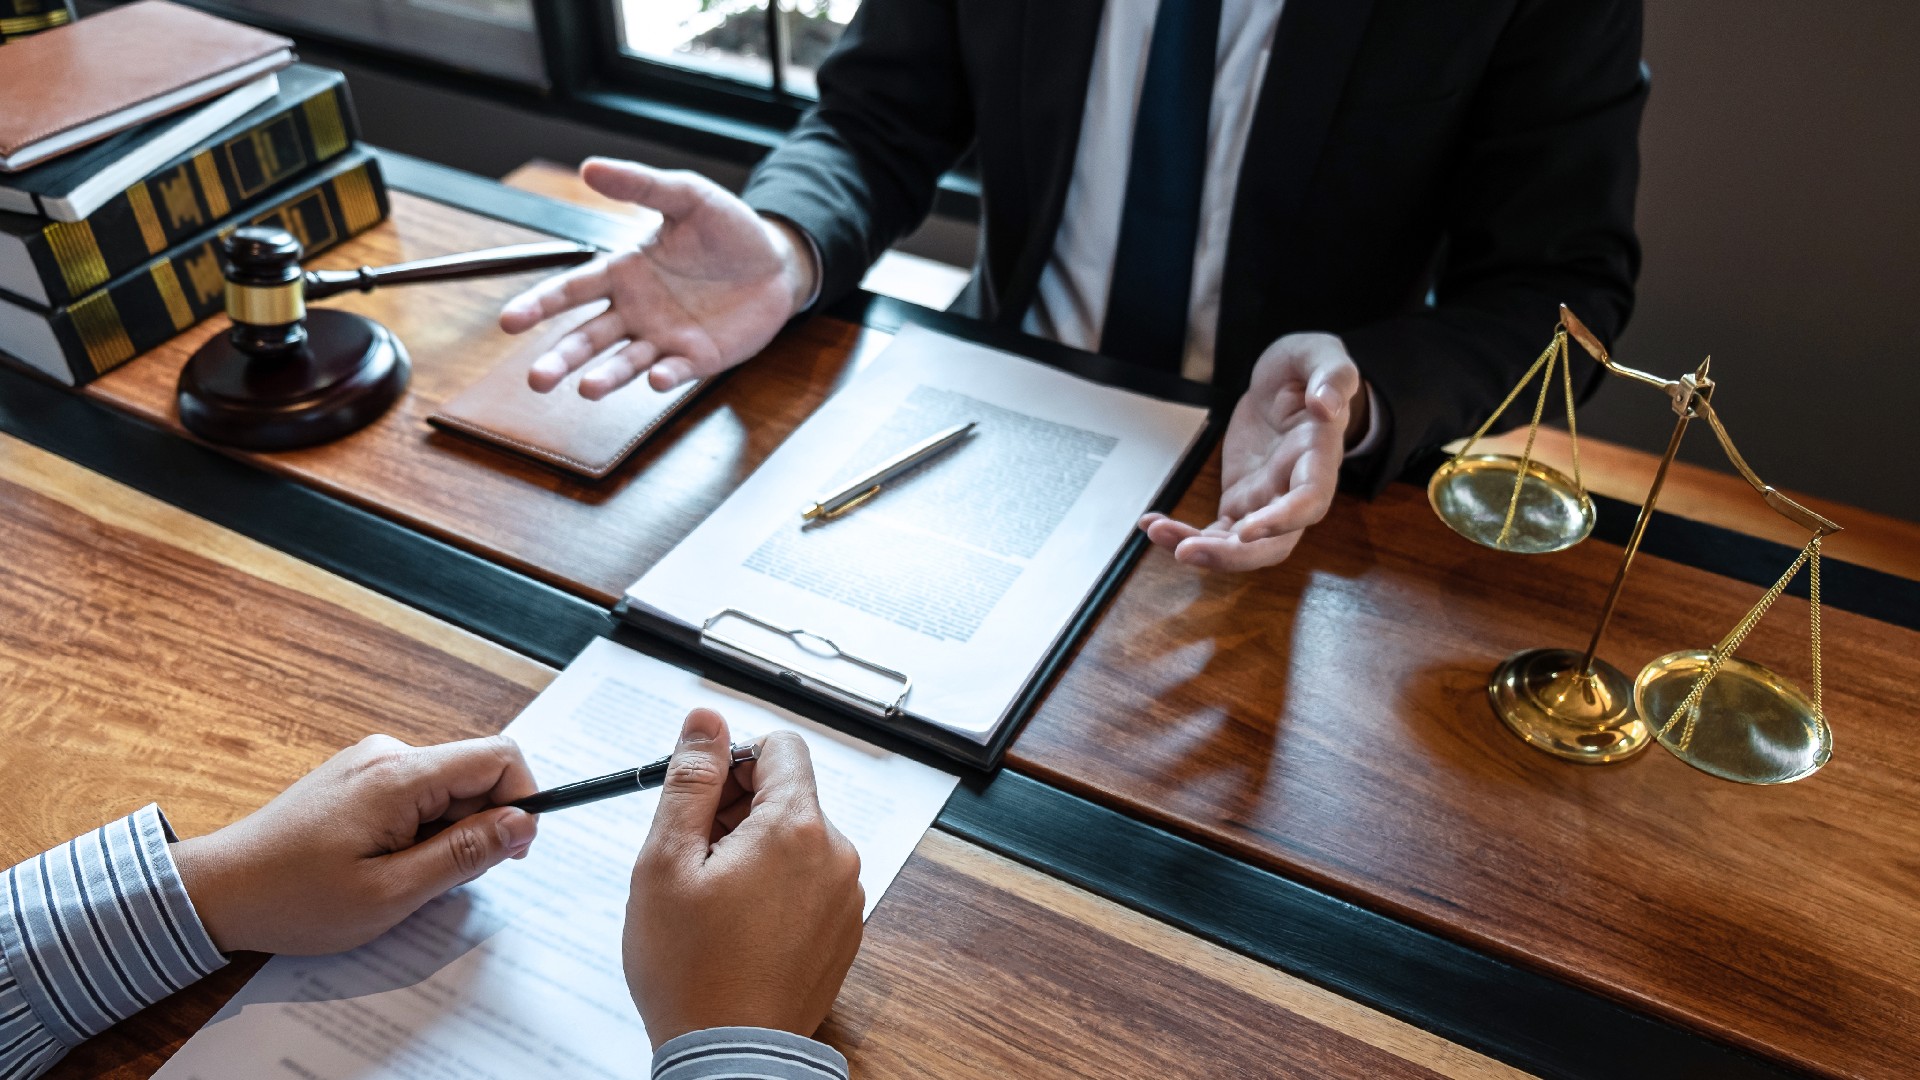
x=624 y=782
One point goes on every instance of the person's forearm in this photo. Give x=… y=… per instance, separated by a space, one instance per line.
x=91 y=932
x=723 y=1053
x=860 y=170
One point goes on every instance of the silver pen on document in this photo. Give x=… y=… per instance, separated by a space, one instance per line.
x=869 y=484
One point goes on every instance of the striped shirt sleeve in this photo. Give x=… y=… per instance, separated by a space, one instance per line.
x=91 y=933
x=740 y=1053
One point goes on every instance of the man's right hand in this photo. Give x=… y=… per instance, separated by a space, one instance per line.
x=746 y=901
x=707 y=291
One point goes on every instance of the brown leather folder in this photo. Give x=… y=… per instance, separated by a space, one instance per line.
x=84 y=81
x=559 y=428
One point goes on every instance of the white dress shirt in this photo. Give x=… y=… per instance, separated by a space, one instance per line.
x=1071 y=305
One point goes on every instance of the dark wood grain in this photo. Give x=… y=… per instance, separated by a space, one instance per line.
x=145 y=655
x=1330 y=717
x=1326 y=718
x=586 y=536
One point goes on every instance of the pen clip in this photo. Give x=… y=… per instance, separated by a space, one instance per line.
x=829 y=515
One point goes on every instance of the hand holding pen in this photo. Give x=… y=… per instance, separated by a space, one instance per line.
x=746 y=901
x=625 y=782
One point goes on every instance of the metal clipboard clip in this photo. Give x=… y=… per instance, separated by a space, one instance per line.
x=815 y=645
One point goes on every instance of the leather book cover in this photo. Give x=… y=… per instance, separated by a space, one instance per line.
x=559 y=428
x=121 y=61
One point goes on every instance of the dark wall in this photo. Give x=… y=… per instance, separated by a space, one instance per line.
x=1779 y=207
x=1780 y=210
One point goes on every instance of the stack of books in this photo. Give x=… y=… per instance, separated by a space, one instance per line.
x=113 y=198
x=18 y=18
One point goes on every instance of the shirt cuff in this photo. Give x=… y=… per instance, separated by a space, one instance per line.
x=1376 y=429
x=101 y=927
x=747 y=1051
x=813 y=254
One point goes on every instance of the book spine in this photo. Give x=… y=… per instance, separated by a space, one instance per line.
x=110 y=326
x=74 y=258
x=18 y=18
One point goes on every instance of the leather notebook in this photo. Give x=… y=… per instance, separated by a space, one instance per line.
x=559 y=428
x=82 y=82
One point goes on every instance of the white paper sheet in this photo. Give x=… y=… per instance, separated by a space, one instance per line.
x=518 y=974
x=963 y=575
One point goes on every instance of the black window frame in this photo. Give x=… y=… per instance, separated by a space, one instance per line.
x=591 y=79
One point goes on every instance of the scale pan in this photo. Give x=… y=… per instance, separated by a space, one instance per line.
x=1751 y=725
x=1471 y=496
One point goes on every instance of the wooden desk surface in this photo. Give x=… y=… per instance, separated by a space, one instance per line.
x=1326 y=718
x=147 y=655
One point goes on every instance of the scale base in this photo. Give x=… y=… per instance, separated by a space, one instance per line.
x=1750 y=726
x=347 y=372
x=1590 y=718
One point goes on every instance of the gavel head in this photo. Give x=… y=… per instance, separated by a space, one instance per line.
x=266 y=289
x=285 y=376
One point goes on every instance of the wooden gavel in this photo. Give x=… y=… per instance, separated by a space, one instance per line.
x=288 y=376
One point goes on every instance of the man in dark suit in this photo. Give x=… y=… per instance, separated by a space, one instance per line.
x=1359 y=215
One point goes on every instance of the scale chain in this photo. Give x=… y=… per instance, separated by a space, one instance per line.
x=1573 y=435
x=1556 y=351
x=1690 y=706
x=1511 y=394
x=1813 y=593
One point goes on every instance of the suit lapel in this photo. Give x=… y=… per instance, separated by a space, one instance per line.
x=1056 y=62
x=1313 y=52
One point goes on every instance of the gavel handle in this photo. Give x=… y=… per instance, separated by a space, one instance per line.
x=475 y=264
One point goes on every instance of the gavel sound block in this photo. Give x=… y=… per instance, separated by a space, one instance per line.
x=287 y=376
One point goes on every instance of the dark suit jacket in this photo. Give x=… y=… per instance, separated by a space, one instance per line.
x=1481 y=152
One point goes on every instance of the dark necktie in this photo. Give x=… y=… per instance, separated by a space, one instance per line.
x=1146 y=321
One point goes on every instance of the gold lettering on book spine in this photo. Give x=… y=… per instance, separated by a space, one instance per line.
x=78 y=255
x=323 y=119
x=176 y=194
x=168 y=284
x=210 y=185
x=150 y=231
x=102 y=334
x=358 y=204
x=203 y=273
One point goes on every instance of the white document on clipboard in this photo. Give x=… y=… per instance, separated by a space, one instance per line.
x=941 y=596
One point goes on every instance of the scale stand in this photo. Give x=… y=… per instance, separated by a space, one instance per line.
x=1719 y=713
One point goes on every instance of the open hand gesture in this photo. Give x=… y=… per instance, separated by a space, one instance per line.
x=705 y=292
x=1281 y=461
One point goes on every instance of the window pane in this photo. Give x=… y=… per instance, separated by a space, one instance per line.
x=809 y=29
x=493 y=37
x=719 y=37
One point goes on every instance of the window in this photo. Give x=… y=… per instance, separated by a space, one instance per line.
x=774 y=46
x=495 y=38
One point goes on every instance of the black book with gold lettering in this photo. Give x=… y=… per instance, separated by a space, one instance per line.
x=151 y=303
x=307 y=124
x=18 y=18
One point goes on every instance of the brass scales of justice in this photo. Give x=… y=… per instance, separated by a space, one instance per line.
x=1720 y=713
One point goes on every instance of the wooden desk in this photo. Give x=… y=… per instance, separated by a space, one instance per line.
x=147 y=655
x=1325 y=719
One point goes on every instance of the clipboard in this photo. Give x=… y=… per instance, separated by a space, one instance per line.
x=831 y=678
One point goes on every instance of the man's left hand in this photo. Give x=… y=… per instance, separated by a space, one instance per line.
x=1281 y=461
